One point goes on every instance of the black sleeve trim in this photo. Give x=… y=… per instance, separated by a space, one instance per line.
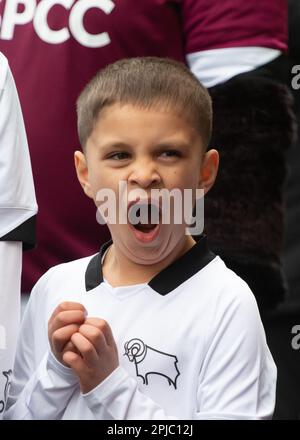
x=26 y=233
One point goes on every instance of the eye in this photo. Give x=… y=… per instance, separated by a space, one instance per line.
x=171 y=153
x=120 y=155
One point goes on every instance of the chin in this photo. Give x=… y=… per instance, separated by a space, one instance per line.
x=153 y=252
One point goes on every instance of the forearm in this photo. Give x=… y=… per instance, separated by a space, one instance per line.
x=45 y=395
x=120 y=396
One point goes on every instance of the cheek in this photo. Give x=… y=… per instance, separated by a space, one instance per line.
x=102 y=180
x=185 y=178
x=96 y=184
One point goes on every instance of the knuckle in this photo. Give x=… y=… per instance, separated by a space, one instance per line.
x=63 y=306
x=69 y=346
x=91 y=331
x=95 y=332
x=88 y=349
x=59 y=319
x=76 y=315
x=74 y=337
x=50 y=326
x=56 y=337
x=103 y=325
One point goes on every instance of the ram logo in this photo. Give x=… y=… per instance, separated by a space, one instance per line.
x=147 y=360
x=6 y=374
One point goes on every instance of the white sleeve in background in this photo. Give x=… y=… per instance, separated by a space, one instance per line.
x=17 y=206
x=17 y=195
x=216 y=66
x=46 y=394
x=10 y=279
x=40 y=388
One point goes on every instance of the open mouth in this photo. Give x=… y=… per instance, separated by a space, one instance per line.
x=144 y=218
x=145 y=228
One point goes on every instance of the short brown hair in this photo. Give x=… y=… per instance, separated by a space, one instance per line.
x=145 y=82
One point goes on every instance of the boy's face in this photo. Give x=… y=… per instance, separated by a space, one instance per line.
x=147 y=149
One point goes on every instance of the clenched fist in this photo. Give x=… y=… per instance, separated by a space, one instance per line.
x=64 y=322
x=97 y=355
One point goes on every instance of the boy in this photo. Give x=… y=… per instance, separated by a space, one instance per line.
x=154 y=326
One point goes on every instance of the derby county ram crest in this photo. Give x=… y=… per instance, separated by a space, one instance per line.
x=6 y=374
x=147 y=360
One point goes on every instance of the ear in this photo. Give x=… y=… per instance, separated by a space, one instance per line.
x=82 y=172
x=209 y=170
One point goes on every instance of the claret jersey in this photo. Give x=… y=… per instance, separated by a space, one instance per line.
x=235 y=23
x=191 y=346
x=55 y=47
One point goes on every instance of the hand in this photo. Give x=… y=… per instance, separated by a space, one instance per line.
x=98 y=356
x=64 y=322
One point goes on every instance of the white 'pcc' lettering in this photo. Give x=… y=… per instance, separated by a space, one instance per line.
x=38 y=14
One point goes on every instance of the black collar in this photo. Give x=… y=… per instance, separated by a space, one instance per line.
x=169 y=278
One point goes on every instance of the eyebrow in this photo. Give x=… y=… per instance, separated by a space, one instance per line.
x=174 y=144
x=165 y=144
x=111 y=145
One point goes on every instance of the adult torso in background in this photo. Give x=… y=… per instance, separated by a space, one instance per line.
x=238 y=55
x=230 y=37
x=234 y=23
x=54 y=48
x=292 y=238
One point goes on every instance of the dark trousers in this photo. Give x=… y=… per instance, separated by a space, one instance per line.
x=244 y=211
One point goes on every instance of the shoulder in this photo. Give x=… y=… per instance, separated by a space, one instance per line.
x=226 y=294
x=221 y=283
x=233 y=322
x=235 y=311
x=232 y=286
x=61 y=273
x=64 y=282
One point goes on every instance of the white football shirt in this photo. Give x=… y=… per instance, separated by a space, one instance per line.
x=191 y=346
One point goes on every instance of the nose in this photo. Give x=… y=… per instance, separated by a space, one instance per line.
x=144 y=174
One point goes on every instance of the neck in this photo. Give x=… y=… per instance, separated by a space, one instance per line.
x=119 y=270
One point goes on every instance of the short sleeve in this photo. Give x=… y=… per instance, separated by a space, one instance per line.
x=17 y=196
